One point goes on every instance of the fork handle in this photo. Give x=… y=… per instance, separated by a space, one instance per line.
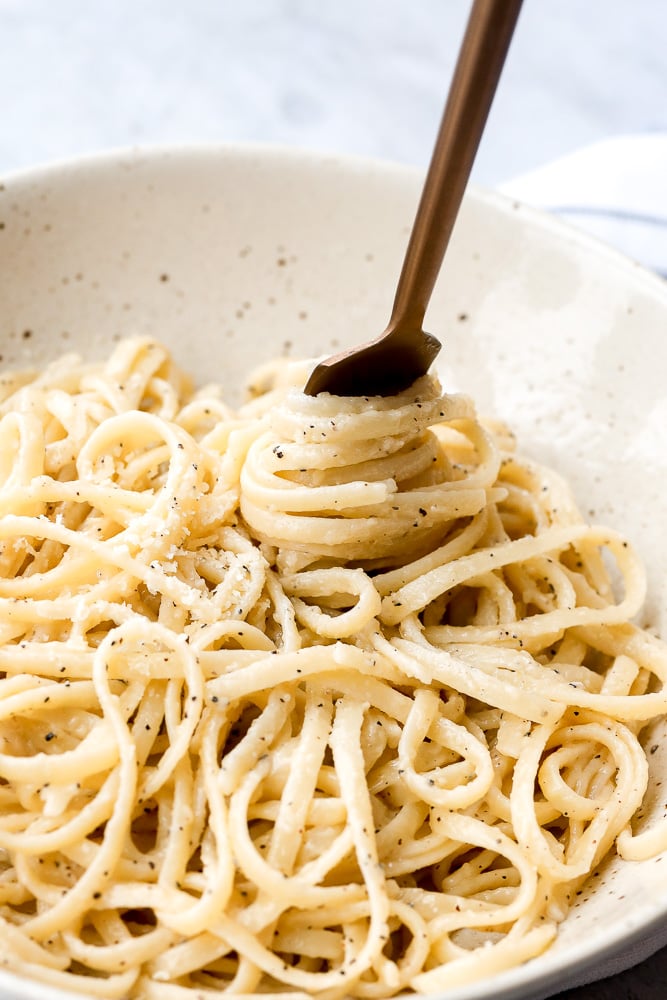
x=482 y=56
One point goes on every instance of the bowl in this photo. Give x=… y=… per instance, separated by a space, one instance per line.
x=232 y=256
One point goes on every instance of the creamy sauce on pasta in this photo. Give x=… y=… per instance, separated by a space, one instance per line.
x=319 y=696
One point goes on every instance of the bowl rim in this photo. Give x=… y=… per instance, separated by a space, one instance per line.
x=522 y=981
x=128 y=156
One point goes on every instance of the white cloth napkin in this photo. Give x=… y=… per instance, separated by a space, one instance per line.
x=617 y=191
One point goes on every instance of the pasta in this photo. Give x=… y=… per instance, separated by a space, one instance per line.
x=319 y=696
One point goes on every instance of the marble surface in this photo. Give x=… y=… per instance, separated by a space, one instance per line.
x=365 y=78
x=353 y=77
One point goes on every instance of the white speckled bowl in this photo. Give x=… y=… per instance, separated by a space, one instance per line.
x=232 y=256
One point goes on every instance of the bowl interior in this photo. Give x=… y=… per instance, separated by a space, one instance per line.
x=232 y=257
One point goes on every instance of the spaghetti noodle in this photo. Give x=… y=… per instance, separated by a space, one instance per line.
x=321 y=696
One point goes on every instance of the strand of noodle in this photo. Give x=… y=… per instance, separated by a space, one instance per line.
x=612 y=815
x=424 y=719
x=438 y=666
x=96 y=752
x=495 y=603
x=247 y=636
x=401 y=830
x=114 y=987
x=129 y=370
x=175 y=851
x=348 y=759
x=16 y=946
x=417 y=594
x=68 y=609
x=282 y=890
x=319 y=944
x=43 y=889
x=321 y=812
x=468 y=830
x=240 y=761
x=523 y=674
x=640 y=846
x=220 y=873
x=138 y=633
x=354 y=420
x=466 y=539
x=301 y=783
x=417 y=855
x=64 y=911
x=283 y=614
x=567 y=800
x=486 y=471
x=115 y=958
x=22 y=695
x=271 y=671
x=114 y=502
x=399 y=973
x=346 y=913
x=324 y=535
x=643 y=647
x=325 y=583
x=135 y=895
x=510 y=952
x=365 y=688
x=65 y=371
x=21 y=459
x=621 y=676
x=49 y=659
x=528 y=675
x=246 y=943
x=70 y=831
x=394 y=460
x=239 y=581
x=187 y=956
x=288 y=472
x=272 y=492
